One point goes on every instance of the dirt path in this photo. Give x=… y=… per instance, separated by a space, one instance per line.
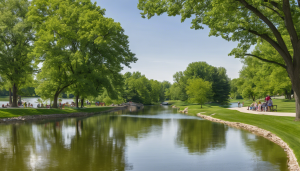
x=244 y=110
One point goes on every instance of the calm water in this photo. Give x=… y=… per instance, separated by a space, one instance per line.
x=156 y=138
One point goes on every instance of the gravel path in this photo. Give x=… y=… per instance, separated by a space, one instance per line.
x=244 y=110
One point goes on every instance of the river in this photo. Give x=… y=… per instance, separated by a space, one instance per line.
x=156 y=138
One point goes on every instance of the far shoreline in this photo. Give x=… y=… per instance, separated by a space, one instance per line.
x=54 y=116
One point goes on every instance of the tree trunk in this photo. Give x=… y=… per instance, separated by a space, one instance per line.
x=296 y=87
x=55 y=100
x=10 y=100
x=77 y=97
x=82 y=102
x=15 y=96
x=297 y=100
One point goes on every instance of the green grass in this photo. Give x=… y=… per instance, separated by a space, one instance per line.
x=284 y=127
x=7 y=113
x=178 y=103
x=4 y=98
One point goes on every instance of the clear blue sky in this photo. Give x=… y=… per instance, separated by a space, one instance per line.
x=164 y=45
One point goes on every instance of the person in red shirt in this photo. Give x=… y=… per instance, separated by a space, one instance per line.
x=267 y=98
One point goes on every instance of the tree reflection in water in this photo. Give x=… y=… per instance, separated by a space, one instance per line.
x=265 y=150
x=95 y=143
x=100 y=143
x=201 y=136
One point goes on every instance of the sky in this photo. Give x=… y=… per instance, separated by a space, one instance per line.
x=164 y=45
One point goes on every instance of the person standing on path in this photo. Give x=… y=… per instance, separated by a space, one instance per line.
x=270 y=103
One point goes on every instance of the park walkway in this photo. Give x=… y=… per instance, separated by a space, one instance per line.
x=244 y=110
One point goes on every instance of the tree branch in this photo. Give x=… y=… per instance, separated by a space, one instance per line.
x=275 y=4
x=274 y=11
x=289 y=23
x=268 y=39
x=266 y=60
x=274 y=30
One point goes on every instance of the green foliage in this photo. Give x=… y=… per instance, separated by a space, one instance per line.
x=142 y=90
x=258 y=79
x=250 y=22
x=104 y=97
x=82 y=51
x=165 y=86
x=217 y=76
x=199 y=91
x=16 y=38
x=234 y=94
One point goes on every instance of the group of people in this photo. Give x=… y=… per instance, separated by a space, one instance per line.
x=266 y=106
x=20 y=104
x=5 y=106
x=88 y=103
x=99 y=104
x=25 y=104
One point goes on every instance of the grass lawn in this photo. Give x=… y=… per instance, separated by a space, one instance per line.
x=284 y=127
x=4 y=98
x=7 y=113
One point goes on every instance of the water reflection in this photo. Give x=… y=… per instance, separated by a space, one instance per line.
x=154 y=138
x=264 y=150
x=201 y=137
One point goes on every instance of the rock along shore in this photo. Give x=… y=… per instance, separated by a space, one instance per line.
x=53 y=116
x=292 y=160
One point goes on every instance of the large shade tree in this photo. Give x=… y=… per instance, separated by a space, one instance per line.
x=78 y=46
x=247 y=21
x=16 y=38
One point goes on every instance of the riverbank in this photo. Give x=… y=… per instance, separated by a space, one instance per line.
x=283 y=127
x=292 y=160
x=17 y=115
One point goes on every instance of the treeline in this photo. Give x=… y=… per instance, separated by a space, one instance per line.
x=137 y=88
x=220 y=83
x=81 y=51
x=199 y=83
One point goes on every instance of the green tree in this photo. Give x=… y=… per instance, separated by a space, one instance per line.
x=217 y=76
x=140 y=89
x=155 y=90
x=199 y=91
x=78 y=45
x=234 y=94
x=175 y=92
x=258 y=79
x=16 y=38
x=246 y=21
x=165 y=85
x=181 y=81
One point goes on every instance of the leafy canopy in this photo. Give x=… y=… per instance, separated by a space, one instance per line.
x=199 y=91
